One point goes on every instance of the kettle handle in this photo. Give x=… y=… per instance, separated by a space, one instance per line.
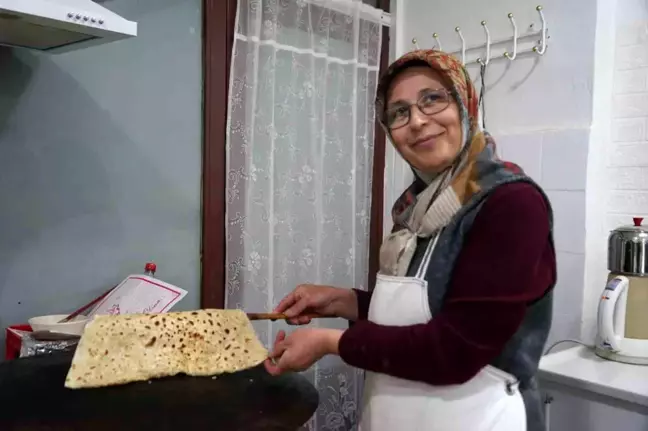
x=607 y=320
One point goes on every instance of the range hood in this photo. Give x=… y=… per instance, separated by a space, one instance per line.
x=60 y=25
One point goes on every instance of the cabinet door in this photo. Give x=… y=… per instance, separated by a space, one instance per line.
x=571 y=413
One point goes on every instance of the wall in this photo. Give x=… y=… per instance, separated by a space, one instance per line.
x=100 y=162
x=622 y=163
x=539 y=109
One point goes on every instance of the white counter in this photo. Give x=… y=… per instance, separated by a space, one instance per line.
x=580 y=369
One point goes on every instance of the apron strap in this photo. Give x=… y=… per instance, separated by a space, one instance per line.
x=425 y=263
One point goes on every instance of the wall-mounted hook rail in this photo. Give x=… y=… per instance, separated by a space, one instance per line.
x=438 y=42
x=543 y=42
x=515 y=38
x=510 y=48
x=488 y=46
x=463 y=45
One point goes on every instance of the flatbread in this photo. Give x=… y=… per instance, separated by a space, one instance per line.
x=121 y=349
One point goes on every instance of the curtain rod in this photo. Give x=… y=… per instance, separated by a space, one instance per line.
x=367 y=12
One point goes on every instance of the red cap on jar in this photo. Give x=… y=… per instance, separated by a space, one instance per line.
x=637 y=220
x=150 y=266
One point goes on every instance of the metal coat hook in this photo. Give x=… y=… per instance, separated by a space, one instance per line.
x=438 y=42
x=488 y=46
x=543 y=43
x=463 y=45
x=415 y=43
x=515 y=38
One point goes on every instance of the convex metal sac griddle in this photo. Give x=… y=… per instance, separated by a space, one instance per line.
x=32 y=397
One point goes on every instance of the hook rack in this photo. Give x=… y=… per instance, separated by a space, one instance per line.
x=543 y=42
x=463 y=45
x=515 y=38
x=539 y=47
x=438 y=42
x=488 y=46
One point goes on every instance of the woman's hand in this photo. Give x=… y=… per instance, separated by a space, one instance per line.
x=326 y=301
x=301 y=349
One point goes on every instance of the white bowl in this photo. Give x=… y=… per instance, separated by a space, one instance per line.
x=49 y=323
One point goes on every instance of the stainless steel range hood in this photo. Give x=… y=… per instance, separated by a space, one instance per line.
x=60 y=25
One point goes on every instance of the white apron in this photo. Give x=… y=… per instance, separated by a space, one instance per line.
x=490 y=401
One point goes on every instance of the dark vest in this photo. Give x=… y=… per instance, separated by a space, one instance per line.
x=521 y=355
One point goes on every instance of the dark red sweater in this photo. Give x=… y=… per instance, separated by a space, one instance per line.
x=506 y=263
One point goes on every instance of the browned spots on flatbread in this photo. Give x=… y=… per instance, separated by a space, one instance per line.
x=118 y=349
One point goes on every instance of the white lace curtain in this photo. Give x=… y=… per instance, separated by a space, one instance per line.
x=299 y=157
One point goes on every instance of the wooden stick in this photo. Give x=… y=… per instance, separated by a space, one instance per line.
x=275 y=316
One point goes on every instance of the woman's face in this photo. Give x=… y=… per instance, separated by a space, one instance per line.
x=430 y=143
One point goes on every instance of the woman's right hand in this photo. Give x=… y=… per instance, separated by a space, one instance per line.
x=326 y=301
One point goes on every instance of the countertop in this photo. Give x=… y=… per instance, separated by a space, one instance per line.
x=580 y=368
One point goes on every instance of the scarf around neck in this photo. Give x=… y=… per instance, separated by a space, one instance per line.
x=432 y=200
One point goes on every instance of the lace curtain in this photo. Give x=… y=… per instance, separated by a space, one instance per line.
x=299 y=157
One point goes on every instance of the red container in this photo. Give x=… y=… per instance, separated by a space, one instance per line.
x=13 y=341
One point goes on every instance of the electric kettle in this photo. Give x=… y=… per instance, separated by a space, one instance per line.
x=623 y=306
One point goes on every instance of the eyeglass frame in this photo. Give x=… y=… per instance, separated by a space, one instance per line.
x=409 y=106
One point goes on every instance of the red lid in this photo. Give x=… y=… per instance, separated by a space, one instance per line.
x=150 y=266
x=637 y=220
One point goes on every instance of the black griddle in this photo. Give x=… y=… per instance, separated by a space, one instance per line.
x=32 y=397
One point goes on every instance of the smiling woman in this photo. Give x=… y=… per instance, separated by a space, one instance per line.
x=462 y=304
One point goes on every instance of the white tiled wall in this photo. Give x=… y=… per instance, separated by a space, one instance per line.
x=617 y=187
x=627 y=168
x=623 y=193
x=557 y=160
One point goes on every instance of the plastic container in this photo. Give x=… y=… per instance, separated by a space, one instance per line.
x=50 y=323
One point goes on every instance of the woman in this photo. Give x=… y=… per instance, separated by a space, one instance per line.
x=453 y=332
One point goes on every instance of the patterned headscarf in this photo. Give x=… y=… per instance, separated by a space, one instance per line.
x=431 y=201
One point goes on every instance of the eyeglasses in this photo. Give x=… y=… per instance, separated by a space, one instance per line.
x=430 y=103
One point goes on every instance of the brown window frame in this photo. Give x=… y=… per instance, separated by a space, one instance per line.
x=218 y=36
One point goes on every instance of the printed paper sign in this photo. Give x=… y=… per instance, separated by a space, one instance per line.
x=140 y=294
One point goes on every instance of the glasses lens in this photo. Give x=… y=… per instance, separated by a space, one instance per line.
x=434 y=102
x=398 y=117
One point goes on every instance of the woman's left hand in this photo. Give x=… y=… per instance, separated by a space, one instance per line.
x=301 y=349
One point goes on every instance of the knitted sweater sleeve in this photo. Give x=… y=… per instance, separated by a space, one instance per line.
x=507 y=262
